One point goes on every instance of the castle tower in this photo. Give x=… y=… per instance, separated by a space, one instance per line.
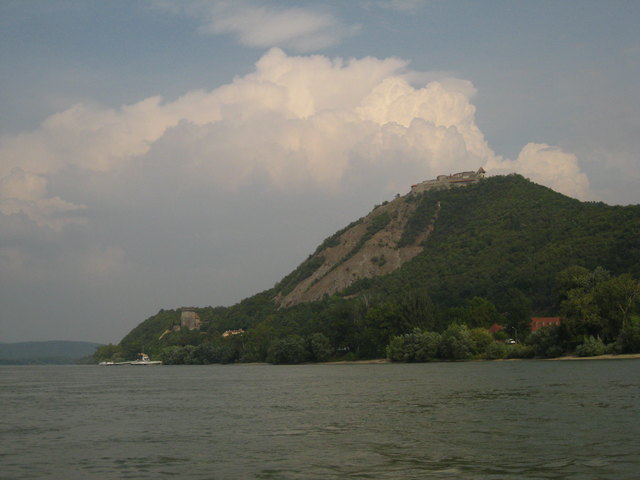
x=189 y=319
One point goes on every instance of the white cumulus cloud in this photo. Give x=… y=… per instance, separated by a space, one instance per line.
x=24 y=192
x=548 y=165
x=294 y=123
x=260 y=25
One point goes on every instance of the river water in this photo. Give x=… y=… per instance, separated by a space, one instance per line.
x=476 y=420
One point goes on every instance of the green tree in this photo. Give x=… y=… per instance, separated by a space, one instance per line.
x=546 y=342
x=595 y=303
x=173 y=355
x=426 y=345
x=481 y=340
x=591 y=347
x=257 y=342
x=482 y=313
x=108 y=353
x=396 y=349
x=496 y=350
x=456 y=343
x=376 y=328
x=417 y=346
x=320 y=347
x=288 y=350
x=517 y=308
x=629 y=338
x=416 y=309
x=219 y=352
x=581 y=313
x=617 y=299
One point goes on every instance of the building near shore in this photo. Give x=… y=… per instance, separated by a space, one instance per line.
x=230 y=333
x=540 y=322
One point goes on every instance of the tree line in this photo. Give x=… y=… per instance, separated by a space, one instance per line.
x=600 y=314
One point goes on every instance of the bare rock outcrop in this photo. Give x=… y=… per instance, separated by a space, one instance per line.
x=365 y=250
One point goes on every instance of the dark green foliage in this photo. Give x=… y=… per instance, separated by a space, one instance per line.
x=546 y=342
x=144 y=338
x=174 y=355
x=378 y=223
x=380 y=261
x=222 y=352
x=288 y=350
x=629 y=339
x=417 y=310
x=519 y=350
x=108 y=353
x=596 y=304
x=494 y=255
x=591 y=347
x=456 y=343
x=480 y=341
x=508 y=233
x=320 y=348
x=517 y=312
x=206 y=353
x=483 y=313
x=496 y=351
x=420 y=219
x=418 y=346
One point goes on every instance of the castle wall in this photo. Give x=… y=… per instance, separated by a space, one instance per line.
x=449 y=181
x=190 y=319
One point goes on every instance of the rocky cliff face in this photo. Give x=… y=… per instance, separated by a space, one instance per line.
x=365 y=249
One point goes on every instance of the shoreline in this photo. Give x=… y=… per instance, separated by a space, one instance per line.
x=608 y=356
x=380 y=361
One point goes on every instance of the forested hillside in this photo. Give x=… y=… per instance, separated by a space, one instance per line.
x=494 y=252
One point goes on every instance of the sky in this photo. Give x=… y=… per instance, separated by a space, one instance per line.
x=159 y=154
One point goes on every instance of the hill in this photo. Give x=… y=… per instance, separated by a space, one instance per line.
x=49 y=352
x=492 y=249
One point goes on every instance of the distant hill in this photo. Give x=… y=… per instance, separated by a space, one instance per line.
x=504 y=239
x=49 y=352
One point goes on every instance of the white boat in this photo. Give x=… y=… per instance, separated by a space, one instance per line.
x=145 y=360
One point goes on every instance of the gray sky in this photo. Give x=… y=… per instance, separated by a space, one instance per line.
x=161 y=154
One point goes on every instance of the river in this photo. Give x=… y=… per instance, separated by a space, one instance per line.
x=472 y=420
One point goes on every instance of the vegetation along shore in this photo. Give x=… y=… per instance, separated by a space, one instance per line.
x=442 y=273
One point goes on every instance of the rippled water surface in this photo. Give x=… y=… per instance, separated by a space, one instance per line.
x=494 y=420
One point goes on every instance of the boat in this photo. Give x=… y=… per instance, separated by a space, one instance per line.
x=145 y=360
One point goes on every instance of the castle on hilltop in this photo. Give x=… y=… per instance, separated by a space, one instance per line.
x=448 y=181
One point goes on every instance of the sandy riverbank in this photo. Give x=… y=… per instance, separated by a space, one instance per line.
x=356 y=362
x=379 y=361
x=622 y=356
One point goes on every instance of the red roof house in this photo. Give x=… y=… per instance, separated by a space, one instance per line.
x=539 y=322
x=495 y=328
